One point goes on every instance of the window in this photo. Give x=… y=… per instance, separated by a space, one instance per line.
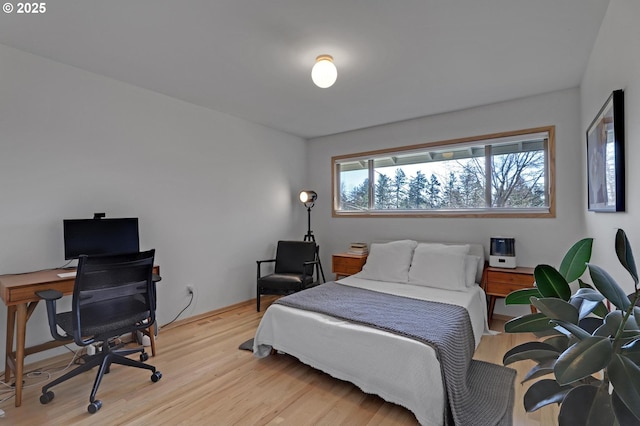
x=502 y=175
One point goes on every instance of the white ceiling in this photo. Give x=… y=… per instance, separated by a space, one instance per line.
x=396 y=59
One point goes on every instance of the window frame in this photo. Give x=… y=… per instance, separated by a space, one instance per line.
x=486 y=212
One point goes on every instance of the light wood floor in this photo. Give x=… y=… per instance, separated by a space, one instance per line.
x=208 y=381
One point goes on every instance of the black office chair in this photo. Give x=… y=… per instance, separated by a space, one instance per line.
x=293 y=271
x=113 y=295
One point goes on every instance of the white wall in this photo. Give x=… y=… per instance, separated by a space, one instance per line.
x=615 y=64
x=213 y=193
x=537 y=240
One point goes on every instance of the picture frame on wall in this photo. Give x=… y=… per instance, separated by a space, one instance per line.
x=605 y=157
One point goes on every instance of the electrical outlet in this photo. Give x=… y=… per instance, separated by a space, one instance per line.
x=190 y=289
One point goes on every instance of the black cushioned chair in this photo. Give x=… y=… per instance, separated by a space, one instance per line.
x=293 y=271
x=113 y=295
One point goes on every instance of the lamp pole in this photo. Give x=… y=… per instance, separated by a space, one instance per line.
x=309 y=236
x=308 y=198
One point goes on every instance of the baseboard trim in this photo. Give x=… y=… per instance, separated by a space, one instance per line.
x=266 y=300
x=501 y=317
x=200 y=317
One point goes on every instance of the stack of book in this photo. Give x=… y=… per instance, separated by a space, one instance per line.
x=358 y=248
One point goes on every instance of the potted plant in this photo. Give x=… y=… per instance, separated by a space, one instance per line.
x=593 y=353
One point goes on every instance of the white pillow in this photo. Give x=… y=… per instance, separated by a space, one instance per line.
x=389 y=261
x=439 y=269
x=471 y=267
x=449 y=248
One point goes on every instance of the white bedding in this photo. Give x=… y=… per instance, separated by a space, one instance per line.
x=398 y=369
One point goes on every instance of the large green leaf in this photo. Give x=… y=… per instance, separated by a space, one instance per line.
x=561 y=343
x=623 y=415
x=631 y=323
x=556 y=309
x=601 y=310
x=625 y=254
x=608 y=287
x=632 y=346
x=583 y=359
x=544 y=392
x=625 y=378
x=586 y=300
x=634 y=298
x=551 y=283
x=575 y=261
x=541 y=369
x=586 y=405
x=632 y=351
x=615 y=318
x=610 y=326
x=537 y=351
x=546 y=333
x=585 y=307
x=628 y=336
x=571 y=328
x=588 y=294
x=521 y=297
x=528 y=323
x=636 y=315
x=600 y=411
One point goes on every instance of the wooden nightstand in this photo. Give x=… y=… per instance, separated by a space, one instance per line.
x=345 y=264
x=499 y=282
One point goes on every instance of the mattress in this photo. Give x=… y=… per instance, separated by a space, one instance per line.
x=398 y=369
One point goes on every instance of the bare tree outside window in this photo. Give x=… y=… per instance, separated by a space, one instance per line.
x=452 y=178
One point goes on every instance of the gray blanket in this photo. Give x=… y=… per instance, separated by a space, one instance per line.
x=478 y=393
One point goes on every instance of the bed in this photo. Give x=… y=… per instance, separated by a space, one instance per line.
x=397 y=368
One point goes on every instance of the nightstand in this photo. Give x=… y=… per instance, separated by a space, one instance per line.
x=345 y=264
x=499 y=282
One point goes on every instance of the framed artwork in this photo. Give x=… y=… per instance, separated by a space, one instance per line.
x=605 y=157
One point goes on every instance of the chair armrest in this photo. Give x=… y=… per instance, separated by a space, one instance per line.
x=310 y=264
x=260 y=262
x=50 y=296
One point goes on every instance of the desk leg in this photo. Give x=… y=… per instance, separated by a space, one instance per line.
x=20 y=342
x=492 y=305
x=11 y=328
x=152 y=339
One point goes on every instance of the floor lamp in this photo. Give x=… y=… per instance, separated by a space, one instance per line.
x=308 y=198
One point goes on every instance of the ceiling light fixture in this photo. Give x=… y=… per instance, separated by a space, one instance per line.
x=324 y=72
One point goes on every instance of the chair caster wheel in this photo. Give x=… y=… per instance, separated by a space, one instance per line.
x=47 y=397
x=144 y=356
x=156 y=376
x=94 y=406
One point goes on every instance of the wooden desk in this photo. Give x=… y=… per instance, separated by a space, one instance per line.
x=18 y=292
x=499 y=282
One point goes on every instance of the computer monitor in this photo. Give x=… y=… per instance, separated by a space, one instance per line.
x=100 y=236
